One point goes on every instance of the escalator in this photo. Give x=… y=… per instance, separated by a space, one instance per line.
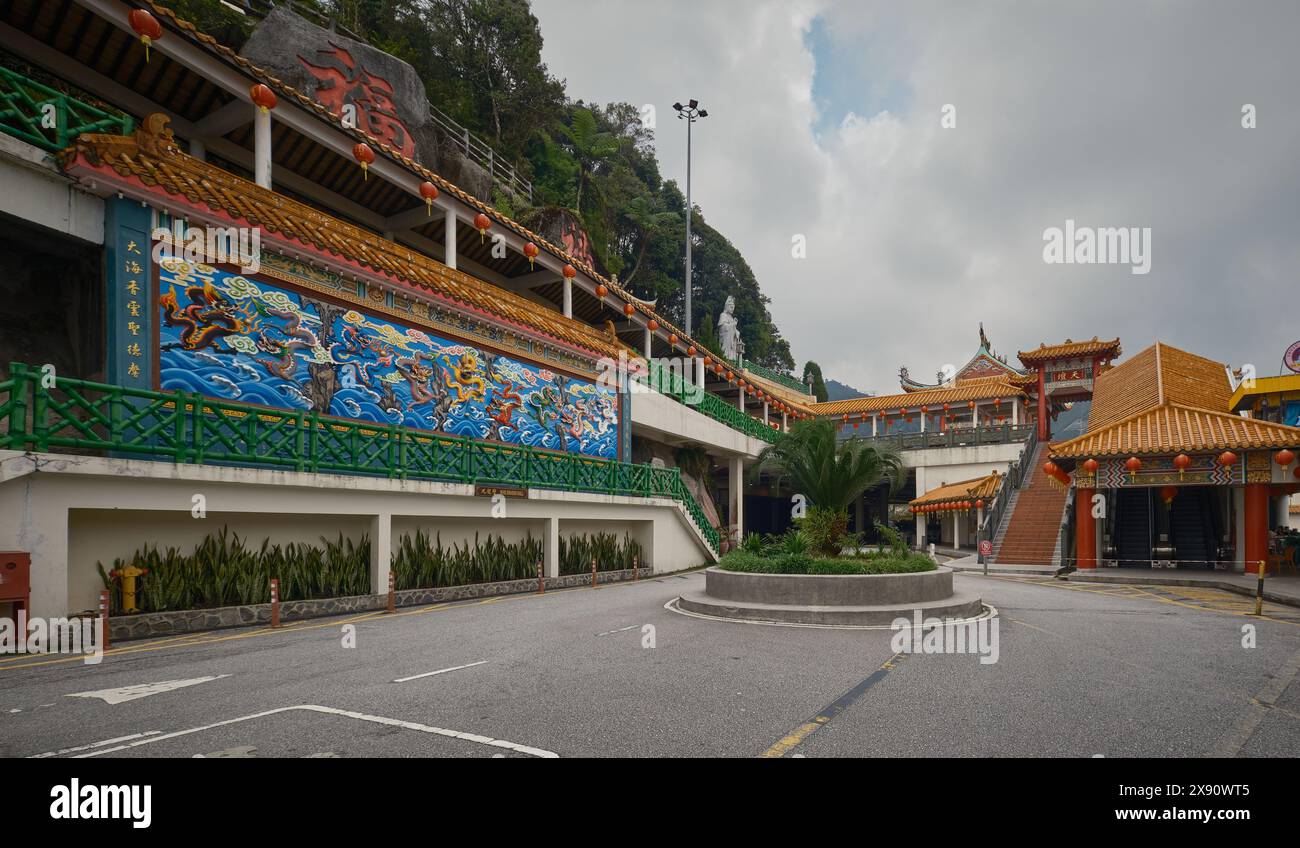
x=1191 y=527
x=1133 y=528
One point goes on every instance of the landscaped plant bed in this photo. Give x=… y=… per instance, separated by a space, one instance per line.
x=124 y=627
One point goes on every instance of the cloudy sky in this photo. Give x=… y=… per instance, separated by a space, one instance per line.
x=825 y=121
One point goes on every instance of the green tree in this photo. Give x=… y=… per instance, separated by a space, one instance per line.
x=651 y=222
x=814 y=370
x=830 y=473
x=589 y=146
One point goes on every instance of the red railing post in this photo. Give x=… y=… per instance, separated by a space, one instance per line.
x=275 y=602
x=593 y=572
x=392 y=590
x=541 y=579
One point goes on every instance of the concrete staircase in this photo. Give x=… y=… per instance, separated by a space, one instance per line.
x=1031 y=534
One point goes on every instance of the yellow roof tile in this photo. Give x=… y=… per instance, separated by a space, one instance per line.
x=1092 y=347
x=1175 y=428
x=962 y=393
x=973 y=489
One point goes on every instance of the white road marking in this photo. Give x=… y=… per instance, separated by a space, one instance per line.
x=112 y=741
x=143 y=690
x=620 y=630
x=439 y=671
x=390 y=722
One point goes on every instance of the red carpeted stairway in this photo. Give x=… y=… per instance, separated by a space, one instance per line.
x=1035 y=522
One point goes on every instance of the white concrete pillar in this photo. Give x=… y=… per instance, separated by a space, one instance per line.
x=873 y=425
x=699 y=371
x=649 y=343
x=740 y=400
x=551 y=548
x=44 y=535
x=198 y=149
x=920 y=531
x=262 y=152
x=785 y=423
x=449 y=238
x=736 y=497
x=1015 y=412
x=568 y=298
x=381 y=552
x=765 y=412
x=923 y=417
x=956 y=529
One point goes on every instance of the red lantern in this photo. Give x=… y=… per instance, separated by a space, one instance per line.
x=731 y=378
x=1227 y=458
x=483 y=223
x=364 y=155
x=1284 y=457
x=530 y=250
x=1090 y=465
x=1296 y=472
x=979 y=504
x=691 y=351
x=602 y=290
x=1181 y=462
x=717 y=368
x=672 y=338
x=629 y=310
x=263 y=98
x=1168 y=493
x=1050 y=468
x=997 y=402
x=147 y=27
x=971 y=404
x=707 y=361
x=568 y=271
x=652 y=325
x=924 y=410
x=429 y=192
x=1133 y=464
x=945 y=407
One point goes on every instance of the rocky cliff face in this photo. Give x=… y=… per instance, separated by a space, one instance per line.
x=383 y=95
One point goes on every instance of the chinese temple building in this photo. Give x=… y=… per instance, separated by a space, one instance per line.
x=1174 y=470
x=983 y=423
x=272 y=298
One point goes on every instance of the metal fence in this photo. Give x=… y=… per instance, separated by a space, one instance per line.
x=671 y=384
x=185 y=427
x=956 y=437
x=48 y=118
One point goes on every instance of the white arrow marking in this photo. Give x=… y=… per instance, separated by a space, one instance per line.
x=143 y=690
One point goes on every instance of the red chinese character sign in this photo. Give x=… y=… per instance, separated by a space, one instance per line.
x=351 y=91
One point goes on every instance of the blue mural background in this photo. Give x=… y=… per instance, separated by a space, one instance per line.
x=228 y=336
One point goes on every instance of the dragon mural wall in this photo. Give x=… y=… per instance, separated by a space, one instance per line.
x=240 y=338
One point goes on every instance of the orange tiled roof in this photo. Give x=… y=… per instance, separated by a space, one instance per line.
x=310 y=104
x=1175 y=428
x=1092 y=347
x=978 y=488
x=962 y=393
x=152 y=157
x=1159 y=374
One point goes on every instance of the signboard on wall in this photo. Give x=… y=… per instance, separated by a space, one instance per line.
x=247 y=339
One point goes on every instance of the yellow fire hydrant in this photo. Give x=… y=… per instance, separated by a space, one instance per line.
x=128 y=577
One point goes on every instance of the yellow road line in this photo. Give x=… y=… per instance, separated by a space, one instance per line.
x=796 y=737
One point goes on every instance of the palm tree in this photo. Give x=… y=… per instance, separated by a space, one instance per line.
x=829 y=473
x=650 y=220
x=589 y=146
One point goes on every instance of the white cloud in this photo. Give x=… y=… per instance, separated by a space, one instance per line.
x=1113 y=114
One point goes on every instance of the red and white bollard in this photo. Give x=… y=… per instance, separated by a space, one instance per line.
x=103 y=620
x=593 y=572
x=275 y=602
x=541 y=579
x=635 y=560
x=392 y=591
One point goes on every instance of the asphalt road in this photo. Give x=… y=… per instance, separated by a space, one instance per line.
x=1082 y=671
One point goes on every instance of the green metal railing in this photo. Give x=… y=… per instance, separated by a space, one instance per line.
x=775 y=376
x=953 y=437
x=185 y=427
x=668 y=382
x=48 y=118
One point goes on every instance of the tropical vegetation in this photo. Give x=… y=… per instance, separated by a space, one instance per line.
x=830 y=473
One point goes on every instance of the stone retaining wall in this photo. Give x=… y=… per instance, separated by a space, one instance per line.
x=828 y=589
x=127 y=627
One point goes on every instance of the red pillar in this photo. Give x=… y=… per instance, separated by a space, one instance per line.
x=1042 y=403
x=1256 y=541
x=1085 y=529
